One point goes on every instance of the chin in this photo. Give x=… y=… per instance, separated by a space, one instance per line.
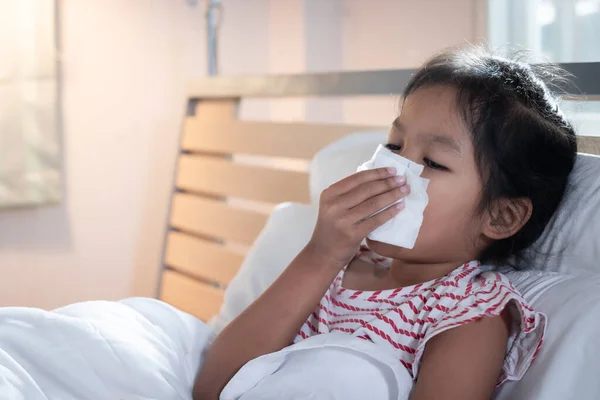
x=387 y=250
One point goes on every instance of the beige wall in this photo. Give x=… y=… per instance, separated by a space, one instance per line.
x=401 y=34
x=125 y=64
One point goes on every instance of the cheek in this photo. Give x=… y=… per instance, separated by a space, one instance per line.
x=451 y=204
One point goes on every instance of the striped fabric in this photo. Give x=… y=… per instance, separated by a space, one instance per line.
x=405 y=319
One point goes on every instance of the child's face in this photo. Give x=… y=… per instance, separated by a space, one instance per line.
x=430 y=131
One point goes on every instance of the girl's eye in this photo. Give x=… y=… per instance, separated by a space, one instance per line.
x=433 y=165
x=393 y=147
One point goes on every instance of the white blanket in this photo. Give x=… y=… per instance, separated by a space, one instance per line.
x=133 y=349
x=332 y=366
x=145 y=349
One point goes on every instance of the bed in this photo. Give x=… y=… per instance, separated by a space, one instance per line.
x=219 y=204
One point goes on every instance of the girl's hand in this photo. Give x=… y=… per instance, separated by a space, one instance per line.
x=345 y=210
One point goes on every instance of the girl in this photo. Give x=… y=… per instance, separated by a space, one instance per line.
x=497 y=152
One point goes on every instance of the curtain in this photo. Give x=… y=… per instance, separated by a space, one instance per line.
x=30 y=151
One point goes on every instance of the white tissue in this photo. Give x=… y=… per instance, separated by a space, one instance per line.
x=403 y=229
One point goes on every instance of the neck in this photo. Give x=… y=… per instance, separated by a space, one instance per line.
x=408 y=274
x=406 y=270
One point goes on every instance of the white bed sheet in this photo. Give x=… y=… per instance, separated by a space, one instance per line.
x=133 y=349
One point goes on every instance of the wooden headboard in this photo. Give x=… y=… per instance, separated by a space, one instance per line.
x=219 y=204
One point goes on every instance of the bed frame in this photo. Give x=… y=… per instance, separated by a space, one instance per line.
x=220 y=205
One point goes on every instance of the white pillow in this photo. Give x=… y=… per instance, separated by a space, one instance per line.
x=567 y=366
x=340 y=159
x=286 y=232
x=571 y=242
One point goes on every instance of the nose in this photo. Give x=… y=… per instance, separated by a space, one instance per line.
x=411 y=154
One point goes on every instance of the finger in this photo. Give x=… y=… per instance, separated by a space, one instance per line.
x=357 y=179
x=369 y=225
x=371 y=189
x=374 y=204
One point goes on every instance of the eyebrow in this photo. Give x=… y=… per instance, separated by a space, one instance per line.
x=434 y=138
x=396 y=124
x=444 y=141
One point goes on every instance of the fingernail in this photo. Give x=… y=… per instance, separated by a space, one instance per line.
x=392 y=171
x=404 y=189
x=399 y=206
x=400 y=179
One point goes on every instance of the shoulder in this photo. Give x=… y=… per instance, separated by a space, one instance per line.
x=490 y=306
x=492 y=293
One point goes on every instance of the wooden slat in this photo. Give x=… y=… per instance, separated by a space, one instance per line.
x=294 y=140
x=588 y=144
x=193 y=256
x=215 y=219
x=194 y=297
x=217 y=110
x=223 y=177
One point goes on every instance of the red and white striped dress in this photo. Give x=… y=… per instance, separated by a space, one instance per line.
x=405 y=319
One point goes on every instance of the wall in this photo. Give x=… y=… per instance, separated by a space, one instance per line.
x=401 y=34
x=124 y=68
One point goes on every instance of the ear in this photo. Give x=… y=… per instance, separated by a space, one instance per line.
x=507 y=217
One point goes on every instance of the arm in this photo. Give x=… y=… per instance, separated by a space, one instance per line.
x=271 y=322
x=267 y=325
x=464 y=363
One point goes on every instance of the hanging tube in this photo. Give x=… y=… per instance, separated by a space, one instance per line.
x=212 y=10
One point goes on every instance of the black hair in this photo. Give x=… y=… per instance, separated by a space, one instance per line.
x=524 y=146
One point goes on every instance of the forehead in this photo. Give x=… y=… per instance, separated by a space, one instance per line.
x=434 y=109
